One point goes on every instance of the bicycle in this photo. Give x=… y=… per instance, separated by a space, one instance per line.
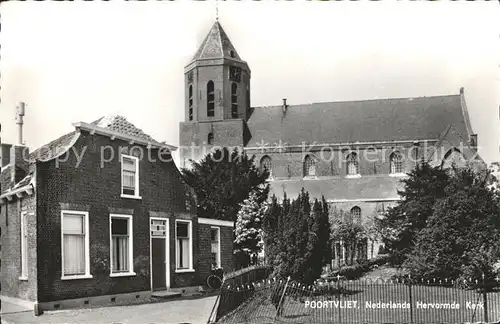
x=214 y=281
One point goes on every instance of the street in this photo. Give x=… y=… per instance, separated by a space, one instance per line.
x=188 y=311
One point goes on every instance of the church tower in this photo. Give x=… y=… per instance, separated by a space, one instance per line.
x=217 y=98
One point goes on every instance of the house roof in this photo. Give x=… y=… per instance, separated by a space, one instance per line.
x=216 y=45
x=365 y=188
x=115 y=123
x=121 y=125
x=52 y=149
x=398 y=119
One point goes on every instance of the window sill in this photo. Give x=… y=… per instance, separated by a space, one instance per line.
x=310 y=178
x=184 y=270
x=397 y=174
x=23 y=278
x=123 y=274
x=353 y=176
x=89 y=276
x=131 y=197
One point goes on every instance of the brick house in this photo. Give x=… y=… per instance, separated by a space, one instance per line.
x=101 y=211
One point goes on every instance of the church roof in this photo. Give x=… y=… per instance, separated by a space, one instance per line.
x=422 y=118
x=216 y=45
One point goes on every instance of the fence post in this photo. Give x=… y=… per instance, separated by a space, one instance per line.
x=279 y=310
x=485 y=301
x=411 y=299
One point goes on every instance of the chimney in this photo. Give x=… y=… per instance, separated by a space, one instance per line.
x=20 y=122
x=462 y=90
x=19 y=163
x=473 y=141
x=284 y=105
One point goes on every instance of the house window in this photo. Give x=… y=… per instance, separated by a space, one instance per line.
x=210 y=99
x=121 y=246
x=75 y=245
x=190 y=102
x=24 y=246
x=130 y=176
x=352 y=164
x=215 y=242
x=356 y=214
x=309 y=167
x=266 y=165
x=183 y=245
x=396 y=161
x=234 y=100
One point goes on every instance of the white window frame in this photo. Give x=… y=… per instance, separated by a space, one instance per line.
x=130 y=226
x=136 y=191
x=218 y=259
x=87 y=274
x=24 y=247
x=190 y=231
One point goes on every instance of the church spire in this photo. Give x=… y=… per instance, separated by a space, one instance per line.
x=216 y=45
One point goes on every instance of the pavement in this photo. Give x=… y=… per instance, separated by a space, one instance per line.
x=10 y=308
x=186 y=311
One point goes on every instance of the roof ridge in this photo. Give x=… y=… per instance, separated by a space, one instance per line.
x=361 y=100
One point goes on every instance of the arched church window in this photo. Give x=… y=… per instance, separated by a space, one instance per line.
x=356 y=214
x=210 y=99
x=266 y=165
x=396 y=162
x=352 y=164
x=190 y=102
x=309 y=167
x=234 y=100
x=210 y=138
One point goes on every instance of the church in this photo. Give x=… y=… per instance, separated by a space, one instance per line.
x=354 y=153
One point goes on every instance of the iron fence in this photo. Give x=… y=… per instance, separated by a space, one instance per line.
x=359 y=301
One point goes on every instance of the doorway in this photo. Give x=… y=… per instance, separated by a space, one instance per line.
x=159 y=254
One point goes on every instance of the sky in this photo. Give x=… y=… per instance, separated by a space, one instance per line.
x=78 y=61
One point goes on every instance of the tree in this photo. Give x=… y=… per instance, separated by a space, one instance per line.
x=344 y=230
x=296 y=237
x=461 y=236
x=248 y=229
x=402 y=223
x=223 y=180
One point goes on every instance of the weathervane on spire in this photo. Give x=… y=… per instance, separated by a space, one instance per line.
x=216 y=10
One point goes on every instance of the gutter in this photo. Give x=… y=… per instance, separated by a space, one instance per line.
x=28 y=189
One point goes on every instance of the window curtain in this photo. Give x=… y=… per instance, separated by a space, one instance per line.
x=74 y=245
x=128 y=174
x=120 y=254
x=183 y=253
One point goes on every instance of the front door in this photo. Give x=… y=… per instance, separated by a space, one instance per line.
x=159 y=249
